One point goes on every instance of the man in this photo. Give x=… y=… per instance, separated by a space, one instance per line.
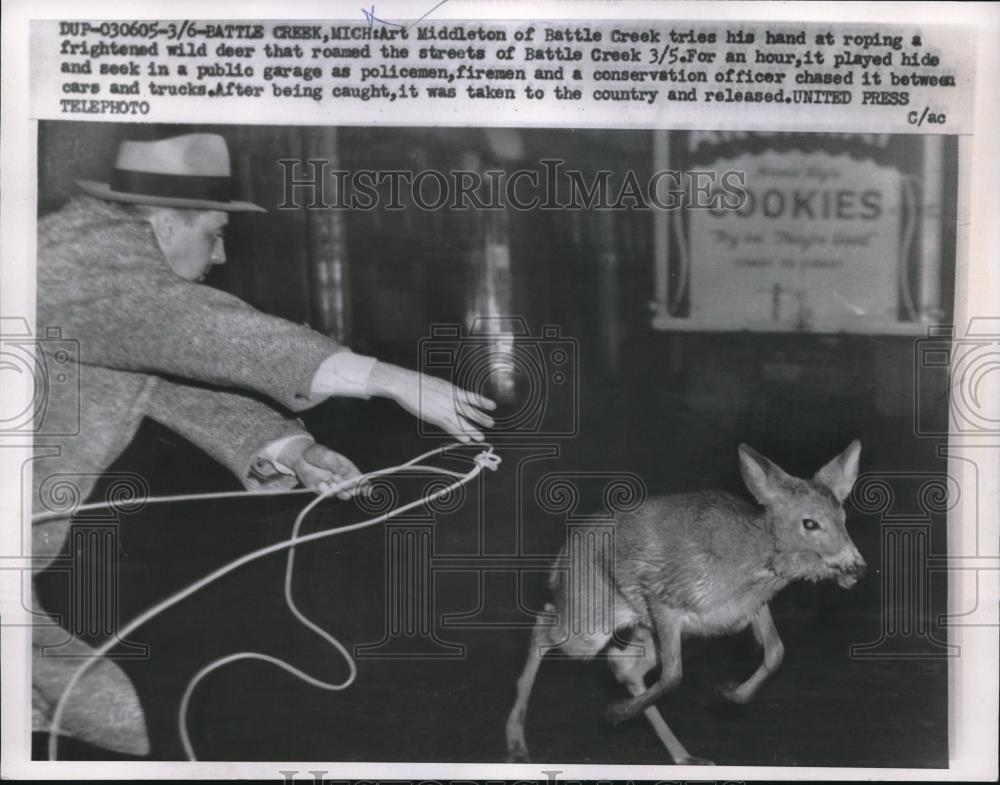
x=119 y=272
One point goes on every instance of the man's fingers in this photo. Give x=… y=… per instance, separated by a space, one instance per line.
x=462 y=430
x=326 y=486
x=474 y=414
x=465 y=404
x=471 y=399
x=477 y=400
x=455 y=393
x=453 y=427
x=455 y=410
x=349 y=484
x=325 y=470
x=336 y=463
x=457 y=419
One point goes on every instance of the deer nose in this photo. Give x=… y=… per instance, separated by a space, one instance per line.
x=858 y=569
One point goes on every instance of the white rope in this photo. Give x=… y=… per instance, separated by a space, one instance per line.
x=41 y=517
x=485 y=459
x=188 y=497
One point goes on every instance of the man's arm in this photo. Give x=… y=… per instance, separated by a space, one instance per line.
x=260 y=446
x=103 y=280
x=109 y=287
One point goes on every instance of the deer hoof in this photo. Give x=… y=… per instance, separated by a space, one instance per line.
x=692 y=760
x=730 y=692
x=517 y=752
x=619 y=711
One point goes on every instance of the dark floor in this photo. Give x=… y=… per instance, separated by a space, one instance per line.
x=823 y=708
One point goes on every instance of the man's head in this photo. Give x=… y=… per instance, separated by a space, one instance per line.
x=191 y=240
x=182 y=186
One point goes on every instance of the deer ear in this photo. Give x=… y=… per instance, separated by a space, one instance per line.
x=840 y=473
x=762 y=476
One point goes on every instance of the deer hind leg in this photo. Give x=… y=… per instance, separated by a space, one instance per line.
x=586 y=611
x=585 y=617
x=517 y=746
x=630 y=666
x=545 y=637
x=667 y=627
x=774 y=652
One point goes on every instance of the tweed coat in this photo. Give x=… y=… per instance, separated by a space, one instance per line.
x=142 y=342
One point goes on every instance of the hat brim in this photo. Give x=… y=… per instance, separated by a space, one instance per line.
x=104 y=191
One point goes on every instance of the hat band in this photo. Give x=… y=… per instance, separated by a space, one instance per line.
x=175 y=186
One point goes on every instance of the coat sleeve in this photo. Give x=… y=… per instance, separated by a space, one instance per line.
x=230 y=427
x=109 y=288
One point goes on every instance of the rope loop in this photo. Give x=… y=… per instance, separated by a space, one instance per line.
x=487 y=459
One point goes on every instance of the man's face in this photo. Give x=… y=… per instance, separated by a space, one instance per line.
x=192 y=243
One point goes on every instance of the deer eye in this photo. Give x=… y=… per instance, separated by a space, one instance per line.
x=810 y=525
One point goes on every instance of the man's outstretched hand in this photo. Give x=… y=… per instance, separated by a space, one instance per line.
x=452 y=409
x=320 y=468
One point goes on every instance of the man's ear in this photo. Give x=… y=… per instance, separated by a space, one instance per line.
x=840 y=473
x=762 y=476
x=162 y=222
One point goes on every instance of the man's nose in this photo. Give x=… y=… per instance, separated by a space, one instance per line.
x=219 y=252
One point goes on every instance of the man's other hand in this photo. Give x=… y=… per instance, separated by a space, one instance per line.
x=320 y=468
x=452 y=409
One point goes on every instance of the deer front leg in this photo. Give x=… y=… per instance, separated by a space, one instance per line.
x=667 y=626
x=630 y=668
x=774 y=652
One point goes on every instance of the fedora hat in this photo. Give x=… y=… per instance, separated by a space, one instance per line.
x=189 y=171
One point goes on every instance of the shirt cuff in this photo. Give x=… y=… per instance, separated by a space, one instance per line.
x=268 y=456
x=345 y=374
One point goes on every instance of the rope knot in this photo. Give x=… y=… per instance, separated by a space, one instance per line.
x=488 y=460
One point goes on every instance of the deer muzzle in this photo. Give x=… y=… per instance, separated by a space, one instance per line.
x=852 y=569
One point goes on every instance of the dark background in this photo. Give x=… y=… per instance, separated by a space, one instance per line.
x=667 y=408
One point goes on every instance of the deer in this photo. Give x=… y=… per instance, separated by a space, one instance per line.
x=700 y=564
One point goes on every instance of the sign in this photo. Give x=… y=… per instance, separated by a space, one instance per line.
x=818 y=245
